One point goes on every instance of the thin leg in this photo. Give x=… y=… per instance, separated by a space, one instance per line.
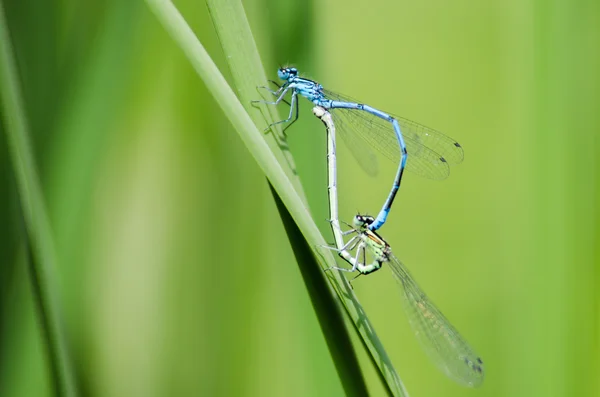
x=361 y=248
x=354 y=278
x=353 y=240
x=284 y=89
x=275 y=93
x=351 y=247
x=347 y=232
x=295 y=118
x=294 y=102
x=354 y=260
x=347 y=224
x=328 y=247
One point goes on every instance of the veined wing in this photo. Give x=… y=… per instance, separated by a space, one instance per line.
x=429 y=151
x=440 y=340
x=357 y=144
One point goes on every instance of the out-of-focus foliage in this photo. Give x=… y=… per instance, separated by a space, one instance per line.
x=175 y=271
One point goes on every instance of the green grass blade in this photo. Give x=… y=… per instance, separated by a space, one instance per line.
x=330 y=317
x=181 y=33
x=246 y=69
x=36 y=219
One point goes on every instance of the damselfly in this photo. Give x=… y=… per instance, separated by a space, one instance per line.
x=412 y=146
x=440 y=340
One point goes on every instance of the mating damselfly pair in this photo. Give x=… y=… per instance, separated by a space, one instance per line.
x=416 y=148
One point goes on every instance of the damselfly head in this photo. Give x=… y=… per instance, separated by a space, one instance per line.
x=362 y=221
x=286 y=73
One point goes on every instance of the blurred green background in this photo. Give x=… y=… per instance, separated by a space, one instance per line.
x=176 y=274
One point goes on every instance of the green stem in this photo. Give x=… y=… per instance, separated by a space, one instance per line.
x=184 y=37
x=42 y=263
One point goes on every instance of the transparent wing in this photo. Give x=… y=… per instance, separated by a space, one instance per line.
x=379 y=134
x=429 y=151
x=357 y=145
x=440 y=340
